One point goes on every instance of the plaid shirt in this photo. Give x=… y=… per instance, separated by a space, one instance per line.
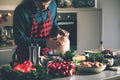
x=22 y=25
x=42 y=30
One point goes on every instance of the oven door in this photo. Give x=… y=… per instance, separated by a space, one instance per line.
x=70 y=26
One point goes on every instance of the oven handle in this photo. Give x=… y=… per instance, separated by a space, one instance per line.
x=66 y=23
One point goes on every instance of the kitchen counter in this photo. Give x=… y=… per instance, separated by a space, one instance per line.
x=105 y=75
x=6 y=53
x=7 y=47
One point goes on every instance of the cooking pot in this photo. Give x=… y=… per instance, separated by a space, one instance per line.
x=8 y=31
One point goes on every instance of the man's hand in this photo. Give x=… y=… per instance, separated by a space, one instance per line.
x=63 y=32
x=53 y=43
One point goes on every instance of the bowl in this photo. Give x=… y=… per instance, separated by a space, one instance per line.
x=93 y=69
x=108 y=61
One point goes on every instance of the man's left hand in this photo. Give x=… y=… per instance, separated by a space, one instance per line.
x=63 y=32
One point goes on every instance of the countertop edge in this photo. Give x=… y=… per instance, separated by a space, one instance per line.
x=8 y=47
x=77 y=9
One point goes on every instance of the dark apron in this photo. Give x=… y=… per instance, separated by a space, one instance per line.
x=39 y=30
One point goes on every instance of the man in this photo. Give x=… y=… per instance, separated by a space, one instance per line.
x=34 y=22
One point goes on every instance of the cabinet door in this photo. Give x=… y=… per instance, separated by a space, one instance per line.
x=6 y=56
x=89 y=29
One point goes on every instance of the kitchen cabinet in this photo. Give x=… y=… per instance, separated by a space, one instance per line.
x=89 y=27
x=6 y=54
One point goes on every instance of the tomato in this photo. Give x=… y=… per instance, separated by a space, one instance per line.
x=25 y=67
x=28 y=63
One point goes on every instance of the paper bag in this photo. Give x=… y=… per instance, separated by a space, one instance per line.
x=65 y=44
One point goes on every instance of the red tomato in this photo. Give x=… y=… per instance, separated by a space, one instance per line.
x=28 y=63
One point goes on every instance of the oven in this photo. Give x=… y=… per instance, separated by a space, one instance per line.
x=68 y=21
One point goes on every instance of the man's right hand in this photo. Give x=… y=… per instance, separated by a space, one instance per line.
x=53 y=43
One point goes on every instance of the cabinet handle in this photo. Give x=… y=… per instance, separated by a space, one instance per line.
x=5 y=50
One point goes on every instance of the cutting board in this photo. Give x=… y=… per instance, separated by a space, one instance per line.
x=114 y=68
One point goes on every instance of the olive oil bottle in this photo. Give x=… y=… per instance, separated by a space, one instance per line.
x=101 y=47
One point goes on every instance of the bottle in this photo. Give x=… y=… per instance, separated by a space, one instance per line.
x=101 y=48
x=38 y=54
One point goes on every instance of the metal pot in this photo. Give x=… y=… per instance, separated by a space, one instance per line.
x=8 y=31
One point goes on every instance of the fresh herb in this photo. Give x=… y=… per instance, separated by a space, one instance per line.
x=7 y=73
x=95 y=56
x=68 y=56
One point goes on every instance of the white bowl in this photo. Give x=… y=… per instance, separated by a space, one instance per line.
x=99 y=69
